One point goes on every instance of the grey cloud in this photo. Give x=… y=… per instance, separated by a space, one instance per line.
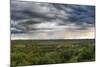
x=24 y=14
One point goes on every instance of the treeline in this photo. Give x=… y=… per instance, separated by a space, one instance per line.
x=36 y=54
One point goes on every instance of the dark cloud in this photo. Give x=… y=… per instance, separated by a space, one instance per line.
x=28 y=16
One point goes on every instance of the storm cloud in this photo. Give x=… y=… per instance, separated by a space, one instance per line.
x=34 y=19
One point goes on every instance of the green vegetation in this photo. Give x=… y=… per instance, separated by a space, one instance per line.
x=36 y=52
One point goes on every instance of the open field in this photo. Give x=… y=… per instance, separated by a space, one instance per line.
x=37 y=52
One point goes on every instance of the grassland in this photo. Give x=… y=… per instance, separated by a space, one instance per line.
x=37 y=52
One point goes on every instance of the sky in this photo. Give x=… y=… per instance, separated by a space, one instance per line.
x=42 y=20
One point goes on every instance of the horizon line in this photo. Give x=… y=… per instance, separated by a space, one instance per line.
x=54 y=39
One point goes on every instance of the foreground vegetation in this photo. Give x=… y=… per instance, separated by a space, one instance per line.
x=36 y=52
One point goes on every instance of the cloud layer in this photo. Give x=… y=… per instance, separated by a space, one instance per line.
x=38 y=20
